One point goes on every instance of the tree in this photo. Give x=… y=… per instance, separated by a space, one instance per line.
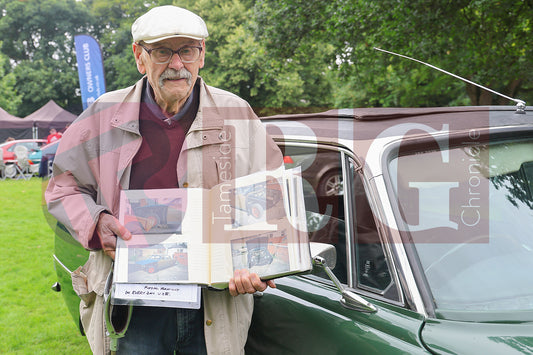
x=237 y=62
x=485 y=41
x=42 y=51
x=289 y=54
x=9 y=100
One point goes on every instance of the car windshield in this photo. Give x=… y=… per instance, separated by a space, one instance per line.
x=469 y=212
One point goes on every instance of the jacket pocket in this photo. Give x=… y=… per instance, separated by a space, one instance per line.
x=79 y=283
x=88 y=282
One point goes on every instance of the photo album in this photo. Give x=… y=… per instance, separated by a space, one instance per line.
x=187 y=238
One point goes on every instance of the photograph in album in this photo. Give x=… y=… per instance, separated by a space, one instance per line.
x=153 y=215
x=162 y=260
x=262 y=254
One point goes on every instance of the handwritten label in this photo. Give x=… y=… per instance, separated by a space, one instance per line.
x=165 y=295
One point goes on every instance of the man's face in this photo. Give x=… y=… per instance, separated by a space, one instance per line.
x=167 y=80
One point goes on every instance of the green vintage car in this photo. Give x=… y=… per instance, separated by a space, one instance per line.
x=427 y=247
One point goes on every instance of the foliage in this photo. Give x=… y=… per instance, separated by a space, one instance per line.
x=40 y=80
x=287 y=55
x=235 y=61
x=41 y=50
x=485 y=41
x=9 y=100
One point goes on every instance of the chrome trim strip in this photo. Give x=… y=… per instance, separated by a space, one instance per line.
x=348 y=208
x=374 y=200
x=61 y=264
x=397 y=245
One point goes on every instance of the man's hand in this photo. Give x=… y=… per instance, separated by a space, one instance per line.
x=244 y=282
x=108 y=228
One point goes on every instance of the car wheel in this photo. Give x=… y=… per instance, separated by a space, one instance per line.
x=11 y=171
x=331 y=184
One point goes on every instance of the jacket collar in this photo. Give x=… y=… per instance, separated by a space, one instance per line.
x=208 y=116
x=127 y=115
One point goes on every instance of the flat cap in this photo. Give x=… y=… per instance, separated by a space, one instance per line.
x=166 y=22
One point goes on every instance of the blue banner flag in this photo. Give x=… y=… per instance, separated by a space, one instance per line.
x=90 y=69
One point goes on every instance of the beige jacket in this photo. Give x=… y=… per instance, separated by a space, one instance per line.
x=92 y=165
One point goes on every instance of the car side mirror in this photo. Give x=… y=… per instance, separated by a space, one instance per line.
x=325 y=251
x=324 y=256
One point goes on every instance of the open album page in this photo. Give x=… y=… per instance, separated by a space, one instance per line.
x=167 y=244
x=261 y=232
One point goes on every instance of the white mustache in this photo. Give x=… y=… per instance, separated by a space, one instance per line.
x=173 y=74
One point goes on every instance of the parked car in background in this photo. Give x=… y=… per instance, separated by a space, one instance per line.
x=47 y=155
x=26 y=167
x=35 y=156
x=9 y=147
x=426 y=247
x=324 y=176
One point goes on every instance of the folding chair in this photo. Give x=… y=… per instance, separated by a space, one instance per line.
x=22 y=164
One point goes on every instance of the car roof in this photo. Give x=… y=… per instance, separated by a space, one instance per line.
x=369 y=123
x=51 y=144
x=21 y=141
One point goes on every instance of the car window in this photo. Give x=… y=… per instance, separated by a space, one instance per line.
x=32 y=146
x=373 y=267
x=326 y=221
x=471 y=224
x=29 y=145
x=324 y=198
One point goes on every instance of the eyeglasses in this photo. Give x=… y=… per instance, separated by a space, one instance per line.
x=163 y=55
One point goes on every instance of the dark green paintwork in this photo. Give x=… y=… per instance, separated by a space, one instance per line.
x=72 y=255
x=454 y=337
x=304 y=316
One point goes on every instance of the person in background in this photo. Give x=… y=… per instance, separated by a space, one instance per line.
x=170 y=129
x=53 y=136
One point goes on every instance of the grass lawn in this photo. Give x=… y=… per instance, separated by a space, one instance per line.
x=33 y=318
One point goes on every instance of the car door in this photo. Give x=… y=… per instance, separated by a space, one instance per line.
x=304 y=314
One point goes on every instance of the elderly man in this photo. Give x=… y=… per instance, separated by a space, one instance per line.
x=168 y=130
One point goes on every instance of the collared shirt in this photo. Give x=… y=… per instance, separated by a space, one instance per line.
x=189 y=108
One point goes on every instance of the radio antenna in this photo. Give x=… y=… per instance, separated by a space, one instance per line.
x=520 y=105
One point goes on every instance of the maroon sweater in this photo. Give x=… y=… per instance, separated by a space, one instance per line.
x=154 y=165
